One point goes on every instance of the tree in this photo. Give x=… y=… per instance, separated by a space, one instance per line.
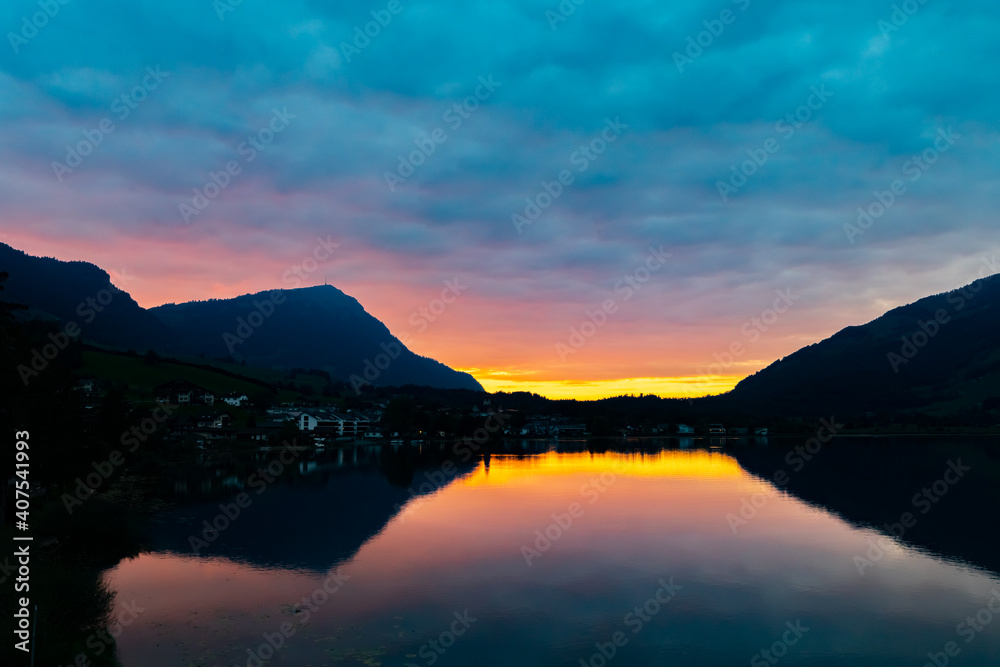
x=400 y=413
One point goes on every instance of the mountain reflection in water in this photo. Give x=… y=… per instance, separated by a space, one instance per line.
x=549 y=552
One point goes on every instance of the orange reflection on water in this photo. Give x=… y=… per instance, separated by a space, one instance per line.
x=172 y=585
x=667 y=464
x=627 y=505
x=477 y=544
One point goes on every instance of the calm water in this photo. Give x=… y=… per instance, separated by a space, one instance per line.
x=538 y=555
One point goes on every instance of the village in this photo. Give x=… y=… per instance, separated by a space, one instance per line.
x=205 y=419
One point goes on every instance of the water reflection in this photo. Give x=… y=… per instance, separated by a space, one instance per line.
x=298 y=510
x=873 y=482
x=549 y=551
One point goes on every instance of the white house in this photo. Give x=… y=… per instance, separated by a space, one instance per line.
x=328 y=420
x=236 y=400
x=182 y=392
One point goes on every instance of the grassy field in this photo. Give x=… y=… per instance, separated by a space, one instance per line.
x=270 y=375
x=137 y=378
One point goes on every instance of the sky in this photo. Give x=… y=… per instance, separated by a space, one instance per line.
x=580 y=200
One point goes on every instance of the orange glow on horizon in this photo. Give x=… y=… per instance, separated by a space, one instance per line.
x=504 y=354
x=666 y=387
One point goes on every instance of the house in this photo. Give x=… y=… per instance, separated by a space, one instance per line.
x=340 y=423
x=182 y=392
x=716 y=429
x=255 y=434
x=236 y=399
x=213 y=420
x=569 y=430
x=207 y=439
x=89 y=385
x=284 y=414
x=684 y=429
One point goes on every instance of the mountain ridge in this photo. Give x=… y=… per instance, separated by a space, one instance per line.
x=914 y=357
x=321 y=328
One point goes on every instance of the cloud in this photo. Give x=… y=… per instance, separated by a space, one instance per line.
x=359 y=113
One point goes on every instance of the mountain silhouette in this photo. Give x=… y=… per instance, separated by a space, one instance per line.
x=311 y=327
x=82 y=294
x=940 y=353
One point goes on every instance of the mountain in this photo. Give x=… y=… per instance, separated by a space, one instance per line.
x=310 y=327
x=314 y=327
x=80 y=293
x=940 y=354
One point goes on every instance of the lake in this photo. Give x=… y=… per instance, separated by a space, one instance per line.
x=863 y=551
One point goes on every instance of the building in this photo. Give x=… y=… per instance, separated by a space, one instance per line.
x=236 y=399
x=182 y=392
x=343 y=424
x=89 y=385
x=213 y=420
x=569 y=430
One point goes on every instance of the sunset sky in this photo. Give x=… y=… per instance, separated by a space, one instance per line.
x=113 y=116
